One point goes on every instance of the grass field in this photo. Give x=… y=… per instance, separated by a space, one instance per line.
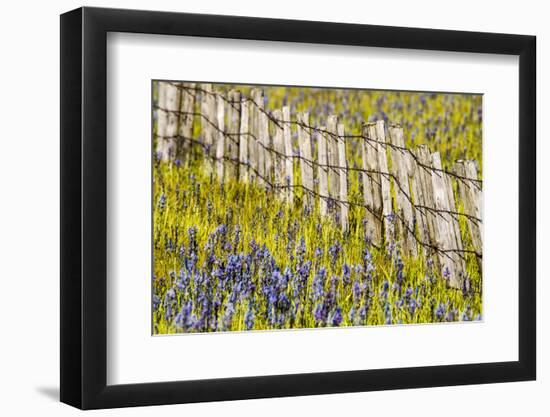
x=229 y=256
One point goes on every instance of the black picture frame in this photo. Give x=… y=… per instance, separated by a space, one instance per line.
x=84 y=207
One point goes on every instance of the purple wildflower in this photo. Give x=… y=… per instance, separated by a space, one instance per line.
x=249 y=319
x=319 y=283
x=440 y=311
x=346 y=273
x=336 y=317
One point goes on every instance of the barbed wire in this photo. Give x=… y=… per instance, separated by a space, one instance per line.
x=476 y=181
x=271 y=185
x=371 y=173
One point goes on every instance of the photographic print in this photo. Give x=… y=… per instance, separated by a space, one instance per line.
x=284 y=207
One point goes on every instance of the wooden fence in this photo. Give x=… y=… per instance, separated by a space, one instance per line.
x=407 y=196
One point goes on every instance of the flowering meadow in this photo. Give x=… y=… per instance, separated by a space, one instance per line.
x=230 y=256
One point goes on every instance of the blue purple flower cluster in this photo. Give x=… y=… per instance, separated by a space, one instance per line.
x=249 y=290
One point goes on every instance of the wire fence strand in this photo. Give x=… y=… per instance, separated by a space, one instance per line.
x=374 y=175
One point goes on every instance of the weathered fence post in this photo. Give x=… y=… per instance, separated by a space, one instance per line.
x=442 y=238
x=162 y=119
x=244 y=136
x=469 y=191
x=208 y=121
x=371 y=184
x=306 y=161
x=253 y=141
x=456 y=236
x=265 y=164
x=220 y=142
x=446 y=233
x=322 y=170
x=258 y=124
x=289 y=157
x=171 y=107
x=343 y=165
x=187 y=108
x=385 y=189
x=232 y=134
x=423 y=200
x=333 y=171
x=401 y=170
x=376 y=135
x=279 y=152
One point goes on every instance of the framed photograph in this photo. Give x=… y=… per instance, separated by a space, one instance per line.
x=255 y=208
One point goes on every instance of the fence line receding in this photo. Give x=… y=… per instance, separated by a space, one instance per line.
x=407 y=196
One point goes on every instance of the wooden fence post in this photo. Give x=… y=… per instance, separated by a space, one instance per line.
x=187 y=108
x=258 y=161
x=253 y=141
x=232 y=135
x=220 y=142
x=333 y=171
x=244 y=136
x=322 y=170
x=170 y=107
x=343 y=164
x=371 y=184
x=456 y=236
x=278 y=157
x=162 y=119
x=306 y=165
x=289 y=157
x=208 y=121
x=470 y=193
x=446 y=238
x=401 y=170
x=423 y=200
x=265 y=164
x=385 y=190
